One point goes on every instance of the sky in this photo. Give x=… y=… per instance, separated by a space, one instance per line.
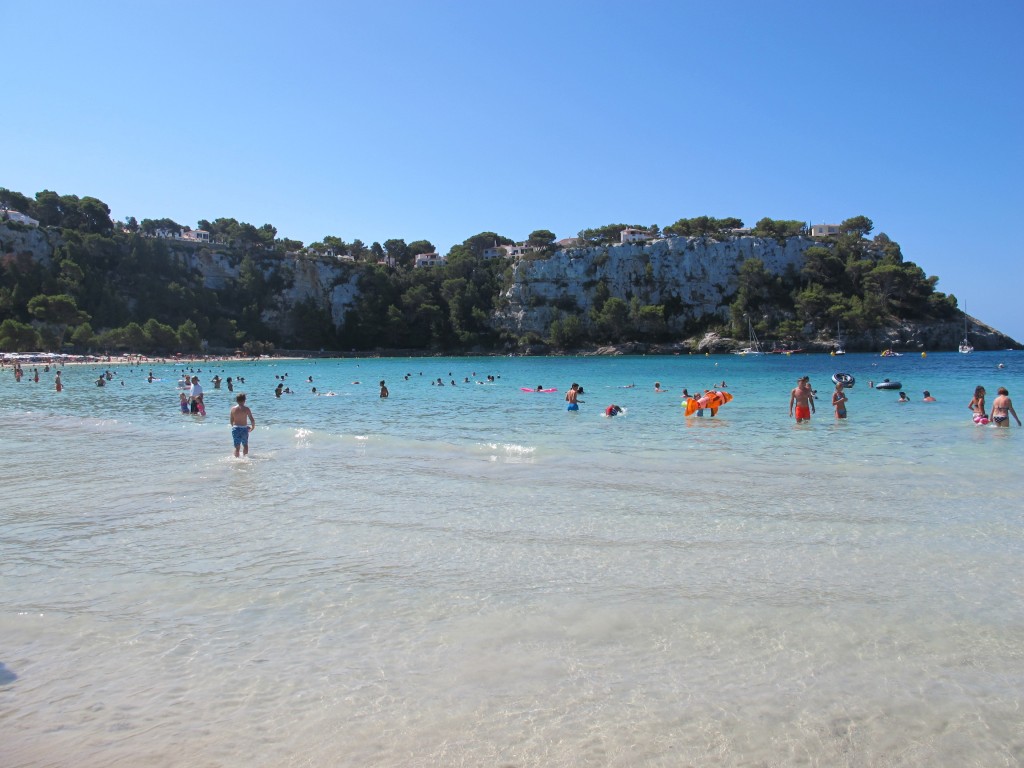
x=439 y=120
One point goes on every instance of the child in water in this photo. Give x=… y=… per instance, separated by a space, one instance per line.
x=183 y=403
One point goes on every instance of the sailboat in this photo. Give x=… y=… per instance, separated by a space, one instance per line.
x=965 y=345
x=755 y=345
x=839 y=350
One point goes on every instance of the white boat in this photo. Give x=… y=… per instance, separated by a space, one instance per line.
x=839 y=350
x=755 y=345
x=965 y=345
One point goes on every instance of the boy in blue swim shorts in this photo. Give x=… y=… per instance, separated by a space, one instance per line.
x=570 y=397
x=242 y=423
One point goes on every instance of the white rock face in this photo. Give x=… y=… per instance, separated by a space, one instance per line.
x=701 y=273
x=214 y=266
x=698 y=273
x=38 y=242
x=330 y=286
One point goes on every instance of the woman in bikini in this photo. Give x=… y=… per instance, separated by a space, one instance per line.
x=839 y=401
x=977 y=404
x=1002 y=409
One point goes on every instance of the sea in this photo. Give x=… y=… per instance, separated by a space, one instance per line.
x=467 y=574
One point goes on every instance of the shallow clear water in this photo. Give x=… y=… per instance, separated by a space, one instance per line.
x=470 y=575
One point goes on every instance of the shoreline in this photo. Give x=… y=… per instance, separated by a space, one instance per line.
x=36 y=359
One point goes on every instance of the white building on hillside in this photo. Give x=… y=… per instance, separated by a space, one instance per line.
x=508 y=251
x=429 y=260
x=631 y=235
x=19 y=217
x=519 y=249
x=824 y=230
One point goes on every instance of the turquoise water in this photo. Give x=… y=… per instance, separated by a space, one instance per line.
x=470 y=575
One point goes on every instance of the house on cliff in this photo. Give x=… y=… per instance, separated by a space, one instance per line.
x=19 y=217
x=824 y=230
x=424 y=260
x=632 y=235
x=508 y=251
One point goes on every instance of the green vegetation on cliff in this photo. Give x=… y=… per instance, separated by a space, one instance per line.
x=121 y=286
x=850 y=280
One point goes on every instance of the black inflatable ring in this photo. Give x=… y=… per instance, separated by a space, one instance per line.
x=843 y=378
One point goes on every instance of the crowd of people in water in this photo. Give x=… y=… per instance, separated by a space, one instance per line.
x=802 y=398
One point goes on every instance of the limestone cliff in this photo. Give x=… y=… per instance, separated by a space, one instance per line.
x=696 y=277
x=699 y=273
x=39 y=243
x=329 y=284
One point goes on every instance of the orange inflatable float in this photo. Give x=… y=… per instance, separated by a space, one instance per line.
x=711 y=399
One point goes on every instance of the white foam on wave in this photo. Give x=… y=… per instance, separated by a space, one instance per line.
x=509 y=452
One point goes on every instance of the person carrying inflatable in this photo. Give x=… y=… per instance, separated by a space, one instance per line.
x=711 y=400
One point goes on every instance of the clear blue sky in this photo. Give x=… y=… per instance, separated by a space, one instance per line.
x=439 y=120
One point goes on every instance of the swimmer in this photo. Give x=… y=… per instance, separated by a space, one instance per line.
x=242 y=423
x=687 y=398
x=839 y=400
x=183 y=402
x=571 y=398
x=903 y=398
x=977 y=404
x=657 y=387
x=713 y=410
x=1002 y=409
x=612 y=410
x=802 y=398
x=928 y=397
x=383 y=390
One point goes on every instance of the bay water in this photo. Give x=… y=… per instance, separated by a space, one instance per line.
x=470 y=575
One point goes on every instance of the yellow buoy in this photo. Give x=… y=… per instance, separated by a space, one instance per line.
x=924 y=354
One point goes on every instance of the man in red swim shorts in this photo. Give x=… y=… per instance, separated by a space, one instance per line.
x=801 y=400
